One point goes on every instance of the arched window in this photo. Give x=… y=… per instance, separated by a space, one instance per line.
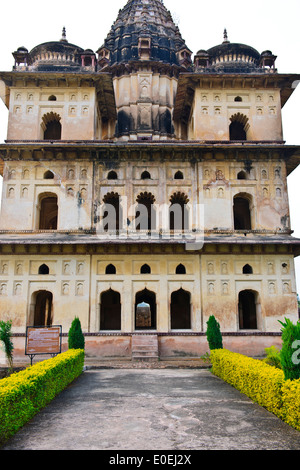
x=112 y=212
x=238 y=98
x=44 y=269
x=180 y=269
x=178 y=212
x=145 y=175
x=48 y=175
x=242 y=175
x=242 y=213
x=110 y=269
x=112 y=175
x=145 y=214
x=51 y=126
x=247 y=269
x=110 y=310
x=52 y=98
x=178 y=175
x=248 y=310
x=48 y=212
x=145 y=269
x=181 y=310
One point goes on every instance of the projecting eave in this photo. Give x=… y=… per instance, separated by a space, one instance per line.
x=188 y=82
x=173 y=150
x=263 y=243
x=102 y=82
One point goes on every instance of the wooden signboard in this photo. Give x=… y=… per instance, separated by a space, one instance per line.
x=43 y=340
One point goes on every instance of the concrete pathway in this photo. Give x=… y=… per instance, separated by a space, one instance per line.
x=153 y=409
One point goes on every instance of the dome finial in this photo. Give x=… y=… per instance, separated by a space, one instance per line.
x=63 y=35
x=225 y=36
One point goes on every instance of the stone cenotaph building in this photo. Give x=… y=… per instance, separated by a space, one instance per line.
x=143 y=178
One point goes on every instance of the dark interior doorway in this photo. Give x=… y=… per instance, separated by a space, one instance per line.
x=237 y=131
x=241 y=213
x=149 y=298
x=53 y=130
x=43 y=310
x=247 y=310
x=110 y=312
x=48 y=213
x=181 y=310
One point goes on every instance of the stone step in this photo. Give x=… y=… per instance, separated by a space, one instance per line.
x=148 y=347
x=145 y=358
x=144 y=348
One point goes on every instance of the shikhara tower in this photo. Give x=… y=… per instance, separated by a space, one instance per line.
x=141 y=173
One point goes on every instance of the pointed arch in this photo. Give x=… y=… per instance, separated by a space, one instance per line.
x=145 y=213
x=181 y=310
x=112 y=212
x=110 y=310
x=145 y=269
x=239 y=126
x=51 y=125
x=248 y=309
x=247 y=269
x=180 y=269
x=110 y=269
x=178 y=211
x=148 y=297
x=44 y=269
x=41 y=308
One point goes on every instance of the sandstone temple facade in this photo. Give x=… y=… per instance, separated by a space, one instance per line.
x=142 y=173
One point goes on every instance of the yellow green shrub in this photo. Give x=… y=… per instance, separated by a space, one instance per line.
x=25 y=393
x=256 y=379
x=291 y=403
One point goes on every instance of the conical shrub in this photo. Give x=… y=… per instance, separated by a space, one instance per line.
x=75 y=337
x=213 y=334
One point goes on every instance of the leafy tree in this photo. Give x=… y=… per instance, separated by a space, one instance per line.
x=5 y=337
x=213 y=334
x=290 y=351
x=75 y=337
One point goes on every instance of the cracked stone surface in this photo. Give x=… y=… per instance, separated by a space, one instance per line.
x=153 y=409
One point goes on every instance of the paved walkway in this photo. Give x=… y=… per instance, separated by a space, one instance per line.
x=153 y=409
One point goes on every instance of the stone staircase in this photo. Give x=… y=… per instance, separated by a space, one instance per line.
x=144 y=348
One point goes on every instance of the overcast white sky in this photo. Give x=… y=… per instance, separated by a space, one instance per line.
x=262 y=24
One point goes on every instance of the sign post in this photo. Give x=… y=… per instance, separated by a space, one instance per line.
x=43 y=340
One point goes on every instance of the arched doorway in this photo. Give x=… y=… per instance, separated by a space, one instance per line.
x=239 y=125
x=145 y=214
x=42 y=308
x=248 y=310
x=178 y=212
x=242 y=212
x=48 y=212
x=180 y=310
x=112 y=212
x=51 y=126
x=110 y=311
x=147 y=297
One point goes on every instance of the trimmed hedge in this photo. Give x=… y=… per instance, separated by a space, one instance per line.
x=25 y=393
x=263 y=383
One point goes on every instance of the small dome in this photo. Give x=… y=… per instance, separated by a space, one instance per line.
x=234 y=57
x=22 y=49
x=56 y=55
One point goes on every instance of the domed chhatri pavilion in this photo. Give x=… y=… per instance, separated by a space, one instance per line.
x=145 y=189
